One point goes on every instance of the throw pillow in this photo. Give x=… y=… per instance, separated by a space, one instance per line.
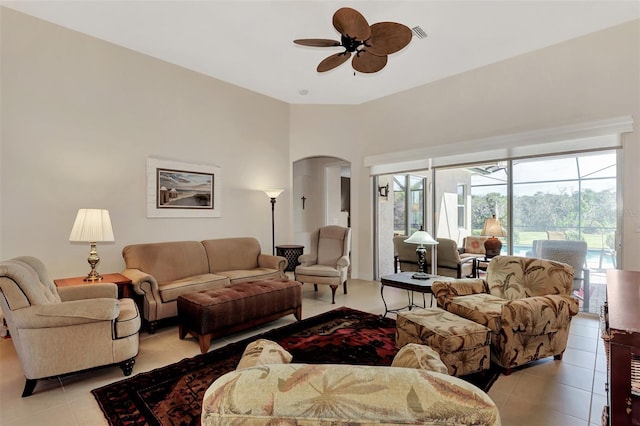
x=413 y=355
x=261 y=352
x=474 y=245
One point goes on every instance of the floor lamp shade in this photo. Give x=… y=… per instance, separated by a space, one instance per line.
x=493 y=228
x=92 y=226
x=273 y=194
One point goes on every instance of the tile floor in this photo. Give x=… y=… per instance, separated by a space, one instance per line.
x=563 y=393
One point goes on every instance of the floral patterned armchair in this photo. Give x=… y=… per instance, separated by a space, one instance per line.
x=526 y=303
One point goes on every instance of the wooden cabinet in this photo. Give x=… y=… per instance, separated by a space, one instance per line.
x=621 y=334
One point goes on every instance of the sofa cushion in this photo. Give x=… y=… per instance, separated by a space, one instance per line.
x=169 y=261
x=170 y=291
x=227 y=254
x=418 y=356
x=317 y=271
x=330 y=245
x=262 y=352
x=244 y=275
x=513 y=277
x=474 y=245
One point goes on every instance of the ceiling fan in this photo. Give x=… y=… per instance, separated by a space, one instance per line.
x=371 y=44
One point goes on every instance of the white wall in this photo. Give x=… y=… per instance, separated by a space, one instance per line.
x=81 y=116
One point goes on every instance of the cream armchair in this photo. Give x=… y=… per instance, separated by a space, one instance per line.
x=328 y=261
x=526 y=303
x=59 y=331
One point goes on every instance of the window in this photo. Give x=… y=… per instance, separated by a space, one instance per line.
x=462 y=201
x=408 y=203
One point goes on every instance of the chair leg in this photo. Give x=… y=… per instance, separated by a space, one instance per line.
x=558 y=357
x=315 y=287
x=29 y=386
x=344 y=287
x=333 y=293
x=127 y=366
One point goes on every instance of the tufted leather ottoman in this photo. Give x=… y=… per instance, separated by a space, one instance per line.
x=463 y=345
x=213 y=313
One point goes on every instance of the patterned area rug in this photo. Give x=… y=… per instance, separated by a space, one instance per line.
x=172 y=395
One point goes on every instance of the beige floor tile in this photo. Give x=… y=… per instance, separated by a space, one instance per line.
x=588 y=344
x=597 y=403
x=521 y=412
x=563 y=373
x=579 y=358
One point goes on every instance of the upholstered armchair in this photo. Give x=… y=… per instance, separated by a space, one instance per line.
x=448 y=260
x=526 y=303
x=328 y=260
x=59 y=331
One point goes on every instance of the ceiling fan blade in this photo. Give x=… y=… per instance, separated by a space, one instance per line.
x=366 y=62
x=317 y=42
x=350 y=22
x=388 y=37
x=330 y=62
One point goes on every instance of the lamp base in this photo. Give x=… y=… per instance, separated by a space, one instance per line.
x=492 y=247
x=420 y=276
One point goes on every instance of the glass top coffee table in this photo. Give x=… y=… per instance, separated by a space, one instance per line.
x=404 y=281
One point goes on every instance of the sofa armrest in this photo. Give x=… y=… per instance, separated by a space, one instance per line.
x=89 y=291
x=444 y=291
x=139 y=278
x=343 y=262
x=539 y=314
x=66 y=314
x=272 y=262
x=307 y=259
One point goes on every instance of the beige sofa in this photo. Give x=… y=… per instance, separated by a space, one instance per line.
x=160 y=272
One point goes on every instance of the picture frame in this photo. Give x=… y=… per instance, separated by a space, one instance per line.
x=180 y=189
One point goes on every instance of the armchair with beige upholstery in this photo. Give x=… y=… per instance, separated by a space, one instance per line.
x=328 y=260
x=59 y=331
x=526 y=303
x=448 y=260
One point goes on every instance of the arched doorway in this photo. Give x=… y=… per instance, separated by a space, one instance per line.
x=321 y=195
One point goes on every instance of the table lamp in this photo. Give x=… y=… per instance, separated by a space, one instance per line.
x=493 y=228
x=422 y=238
x=92 y=225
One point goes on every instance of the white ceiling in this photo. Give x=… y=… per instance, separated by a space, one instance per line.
x=250 y=43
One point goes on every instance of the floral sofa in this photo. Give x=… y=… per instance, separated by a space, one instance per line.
x=266 y=390
x=526 y=302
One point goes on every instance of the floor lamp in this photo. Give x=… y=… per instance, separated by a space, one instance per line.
x=273 y=194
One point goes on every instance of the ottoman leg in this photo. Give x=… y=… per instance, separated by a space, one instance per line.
x=205 y=343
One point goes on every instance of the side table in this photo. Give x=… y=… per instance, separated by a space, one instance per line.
x=124 y=283
x=291 y=252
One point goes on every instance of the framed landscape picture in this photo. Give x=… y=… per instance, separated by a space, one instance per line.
x=176 y=189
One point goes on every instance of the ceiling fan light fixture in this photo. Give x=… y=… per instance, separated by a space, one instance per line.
x=371 y=44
